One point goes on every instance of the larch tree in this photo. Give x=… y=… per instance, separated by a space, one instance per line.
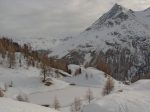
x=56 y=104
x=45 y=72
x=11 y=56
x=89 y=95
x=109 y=86
x=76 y=105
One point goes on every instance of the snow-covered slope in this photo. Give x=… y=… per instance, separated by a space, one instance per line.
x=89 y=77
x=144 y=17
x=25 y=81
x=79 y=85
x=135 y=98
x=119 y=23
x=9 y=105
x=121 y=36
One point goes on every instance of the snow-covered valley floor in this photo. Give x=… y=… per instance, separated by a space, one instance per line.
x=132 y=98
x=27 y=81
x=66 y=95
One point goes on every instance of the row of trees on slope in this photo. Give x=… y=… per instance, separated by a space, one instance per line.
x=9 y=49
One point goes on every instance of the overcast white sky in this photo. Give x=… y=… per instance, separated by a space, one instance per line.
x=52 y=18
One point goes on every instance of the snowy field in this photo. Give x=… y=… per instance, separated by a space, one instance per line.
x=8 y=105
x=66 y=95
x=25 y=81
x=28 y=82
x=132 y=98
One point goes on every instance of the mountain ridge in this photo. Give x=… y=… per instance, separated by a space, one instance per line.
x=121 y=37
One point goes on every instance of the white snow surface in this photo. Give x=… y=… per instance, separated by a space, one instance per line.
x=66 y=95
x=25 y=81
x=9 y=105
x=134 y=98
x=89 y=77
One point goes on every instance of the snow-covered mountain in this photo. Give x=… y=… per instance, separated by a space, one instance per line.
x=121 y=37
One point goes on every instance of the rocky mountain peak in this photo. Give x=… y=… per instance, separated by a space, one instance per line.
x=117 y=7
x=114 y=16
